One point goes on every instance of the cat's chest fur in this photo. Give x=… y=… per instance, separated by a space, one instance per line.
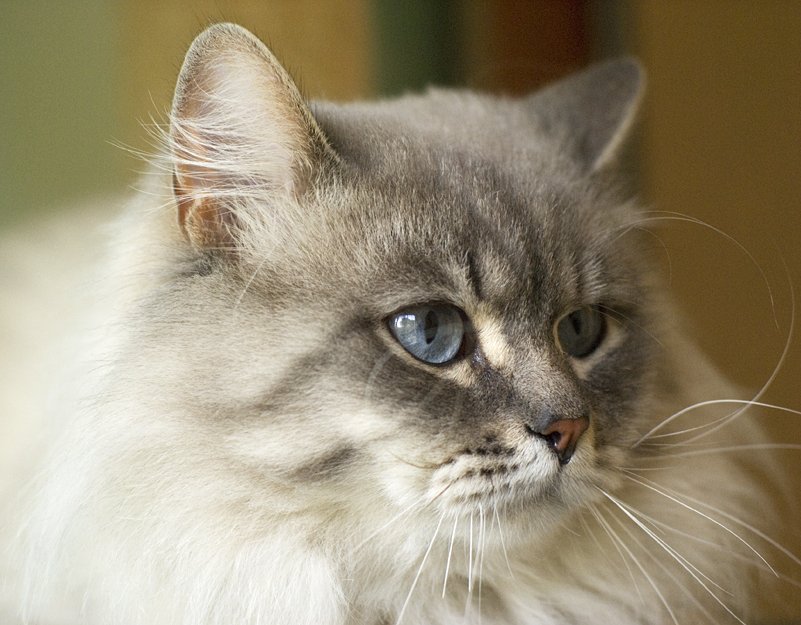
x=394 y=363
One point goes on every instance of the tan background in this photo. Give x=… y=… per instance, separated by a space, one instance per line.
x=720 y=139
x=722 y=142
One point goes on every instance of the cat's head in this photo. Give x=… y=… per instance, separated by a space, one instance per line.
x=435 y=302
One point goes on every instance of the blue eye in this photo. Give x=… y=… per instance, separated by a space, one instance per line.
x=433 y=333
x=580 y=332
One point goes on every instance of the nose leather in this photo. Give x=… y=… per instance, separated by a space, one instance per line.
x=562 y=436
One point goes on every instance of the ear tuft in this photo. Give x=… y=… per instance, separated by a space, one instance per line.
x=241 y=137
x=592 y=112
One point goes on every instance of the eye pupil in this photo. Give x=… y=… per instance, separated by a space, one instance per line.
x=430 y=326
x=575 y=321
x=432 y=333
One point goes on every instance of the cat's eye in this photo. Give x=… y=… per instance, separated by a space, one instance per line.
x=581 y=331
x=433 y=333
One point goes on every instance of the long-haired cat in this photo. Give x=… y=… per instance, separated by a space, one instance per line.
x=404 y=362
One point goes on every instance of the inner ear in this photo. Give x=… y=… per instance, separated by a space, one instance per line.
x=241 y=137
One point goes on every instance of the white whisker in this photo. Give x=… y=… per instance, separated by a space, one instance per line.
x=706 y=451
x=757 y=532
x=503 y=541
x=612 y=312
x=481 y=552
x=678 y=557
x=647 y=469
x=616 y=543
x=250 y=281
x=377 y=367
x=419 y=502
x=693 y=571
x=647 y=576
x=419 y=570
x=662 y=567
x=470 y=558
x=754 y=401
x=651 y=434
x=660 y=490
x=450 y=552
x=681 y=217
x=720 y=548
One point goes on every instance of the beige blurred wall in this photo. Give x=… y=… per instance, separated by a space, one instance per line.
x=324 y=43
x=721 y=142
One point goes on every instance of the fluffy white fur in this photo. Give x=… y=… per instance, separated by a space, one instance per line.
x=150 y=495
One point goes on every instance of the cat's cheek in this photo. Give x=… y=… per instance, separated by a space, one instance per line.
x=595 y=469
x=584 y=476
x=403 y=485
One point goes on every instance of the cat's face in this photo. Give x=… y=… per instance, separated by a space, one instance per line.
x=406 y=315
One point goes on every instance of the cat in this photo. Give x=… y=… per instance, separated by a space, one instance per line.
x=398 y=362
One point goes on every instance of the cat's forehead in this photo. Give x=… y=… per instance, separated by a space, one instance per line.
x=441 y=128
x=439 y=204
x=445 y=220
x=476 y=155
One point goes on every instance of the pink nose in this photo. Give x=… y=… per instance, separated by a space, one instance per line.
x=562 y=436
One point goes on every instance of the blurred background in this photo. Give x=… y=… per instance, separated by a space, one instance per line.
x=719 y=141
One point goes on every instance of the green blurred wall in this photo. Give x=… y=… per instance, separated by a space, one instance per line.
x=59 y=83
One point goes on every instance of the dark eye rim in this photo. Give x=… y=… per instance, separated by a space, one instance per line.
x=469 y=341
x=603 y=315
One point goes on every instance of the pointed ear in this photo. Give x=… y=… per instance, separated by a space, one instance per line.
x=241 y=137
x=592 y=112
